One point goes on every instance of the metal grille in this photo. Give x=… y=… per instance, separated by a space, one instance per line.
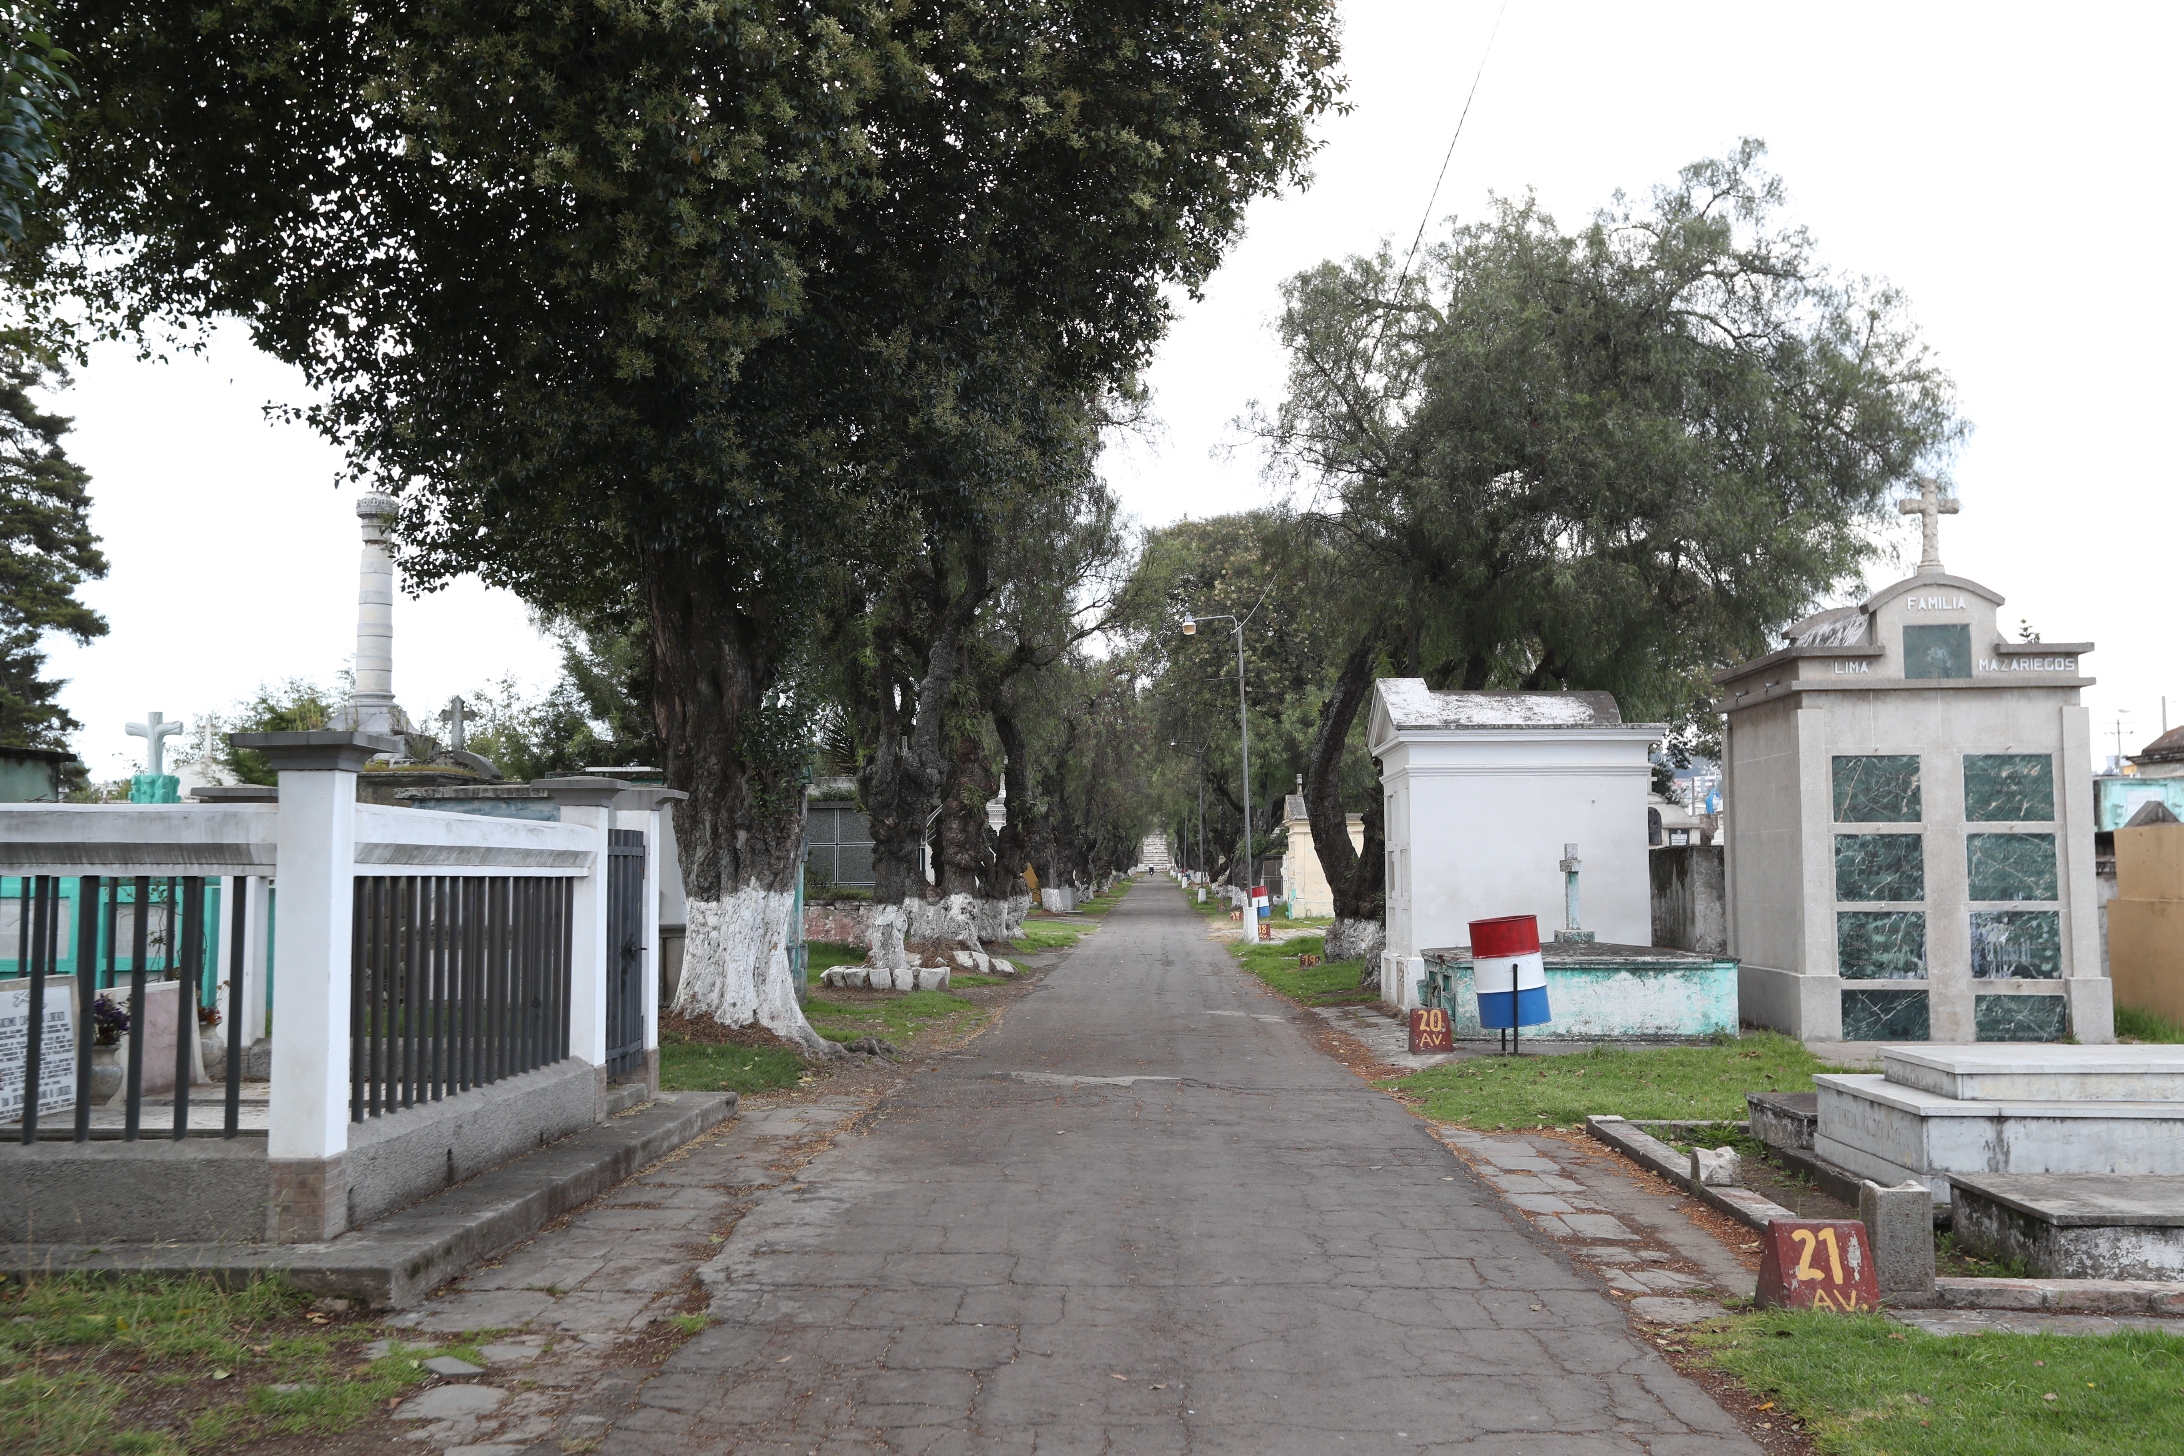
x=85 y=927
x=625 y=951
x=455 y=983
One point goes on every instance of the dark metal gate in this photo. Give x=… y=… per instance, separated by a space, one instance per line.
x=625 y=951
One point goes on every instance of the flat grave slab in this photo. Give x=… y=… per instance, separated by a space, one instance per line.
x=2075 y=1226
x=2040 y=1072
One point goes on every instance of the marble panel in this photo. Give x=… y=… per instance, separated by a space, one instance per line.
x=2017 y=1018
x=1942 y=650
x=1876 y=788
x=1880 y=945
x=1884 y=1016
x=2009 y=866
x=2008 y=786
x=1870 y=867
x=2017 y=945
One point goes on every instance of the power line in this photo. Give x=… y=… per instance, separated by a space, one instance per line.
x=1420 y=236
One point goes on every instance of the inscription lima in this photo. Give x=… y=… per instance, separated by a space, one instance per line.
x=1852 y=669
x=1939 y=603
x=2028 y=664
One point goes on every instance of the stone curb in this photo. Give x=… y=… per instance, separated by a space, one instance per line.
x=2055 y=1296
x=397 y=1260
x=1658 y=1158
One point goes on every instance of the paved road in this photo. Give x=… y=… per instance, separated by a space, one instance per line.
x=1146 y=1215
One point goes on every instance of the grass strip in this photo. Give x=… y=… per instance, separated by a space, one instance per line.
x=1706 y=1082
x=1329 y=983
x=825 y=955
x=165 y=1367
x=689 y=1066
x=2147 y=1026
x=899 y=1015
x=1865 y=1385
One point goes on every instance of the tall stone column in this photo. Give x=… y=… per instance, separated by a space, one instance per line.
x=375 y=710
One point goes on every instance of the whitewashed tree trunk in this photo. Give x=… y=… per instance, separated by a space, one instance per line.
x=736 y=966
x=951 y=921
x=1349 y=939
x=1018 y=907
x=991 y=919
x=884 y=944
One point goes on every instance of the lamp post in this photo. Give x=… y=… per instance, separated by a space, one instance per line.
x=1243 y=724
x=1200 y=754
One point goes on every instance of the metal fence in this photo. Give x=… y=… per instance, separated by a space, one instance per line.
x=456 y=982
x=75 y=927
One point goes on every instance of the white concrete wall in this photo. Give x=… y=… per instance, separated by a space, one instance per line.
x=1477 y=819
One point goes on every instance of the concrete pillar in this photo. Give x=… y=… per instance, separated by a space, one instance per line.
x=309 y=1136
x=375 y=619
x=1900 y=1231
x=588 y=801
x=258 y=904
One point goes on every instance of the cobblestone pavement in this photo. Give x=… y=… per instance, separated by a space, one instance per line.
x=581 y=1306
x=1144 y=1214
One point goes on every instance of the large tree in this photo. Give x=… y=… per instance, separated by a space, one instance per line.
x=47 y=551
x=1610 y=459
x=683 y=296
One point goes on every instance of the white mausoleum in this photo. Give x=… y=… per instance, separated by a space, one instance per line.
x=1483 y=791
x=1910 y=812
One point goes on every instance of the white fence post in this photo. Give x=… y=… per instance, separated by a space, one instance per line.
x=309 y=1112
x=647 y=809
x=588 y=801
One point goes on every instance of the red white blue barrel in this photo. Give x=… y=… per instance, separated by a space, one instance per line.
x=1260 y=903
x=1507 y=972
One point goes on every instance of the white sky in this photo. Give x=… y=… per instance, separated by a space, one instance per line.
x=2011 y=169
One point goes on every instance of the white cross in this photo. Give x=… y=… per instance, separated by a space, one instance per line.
x=1932 y=505
x=455 y=716
x=154 y=731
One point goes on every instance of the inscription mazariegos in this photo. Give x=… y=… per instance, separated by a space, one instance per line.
x=2028 y=664
x=1936 y=603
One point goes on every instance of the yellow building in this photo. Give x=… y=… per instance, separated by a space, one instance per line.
x=1304 y=883
x=2146 y=919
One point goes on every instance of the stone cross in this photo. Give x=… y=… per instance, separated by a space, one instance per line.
x=455 y=716
x=154 y=731
x=1932 y=505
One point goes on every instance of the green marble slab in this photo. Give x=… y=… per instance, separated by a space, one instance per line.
x=1876 y=788
x=2008 y=786
x=1880 y=945
x=2017 y=1018
x=1871 y=867
x=1885 y=1016
x=2017 y=945
x=2010 y=866
x=1937 y=651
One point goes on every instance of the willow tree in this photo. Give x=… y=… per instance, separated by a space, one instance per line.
x=1608 y=459
x=645 y=296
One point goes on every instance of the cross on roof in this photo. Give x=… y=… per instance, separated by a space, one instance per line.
x=154 y=730
x=1931 y=505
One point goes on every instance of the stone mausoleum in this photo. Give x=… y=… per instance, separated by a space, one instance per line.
x=1910 y=846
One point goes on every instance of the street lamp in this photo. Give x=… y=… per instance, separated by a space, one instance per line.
x=1243 y=723
x=1200 y=754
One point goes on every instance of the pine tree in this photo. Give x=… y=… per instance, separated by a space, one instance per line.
x=47 y=551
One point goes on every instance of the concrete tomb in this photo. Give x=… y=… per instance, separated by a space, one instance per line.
x=1483 y=792
x=1935 y=1112
x=1910 y=855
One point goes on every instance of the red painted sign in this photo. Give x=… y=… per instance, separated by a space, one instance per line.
x=1430 y=1031
x=1811 y=1264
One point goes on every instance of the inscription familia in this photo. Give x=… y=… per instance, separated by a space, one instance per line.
x=1943 y=602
